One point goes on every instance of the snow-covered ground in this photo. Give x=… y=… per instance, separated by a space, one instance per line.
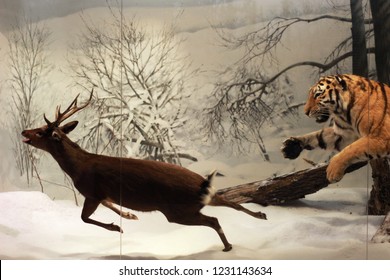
x=330 y=224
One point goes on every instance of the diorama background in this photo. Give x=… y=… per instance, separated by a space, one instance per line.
x=330 y=224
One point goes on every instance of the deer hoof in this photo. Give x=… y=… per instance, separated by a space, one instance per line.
x=261 y=215
x=129 y=216
x=133 y=217
x=228 y=248
x=114 y=227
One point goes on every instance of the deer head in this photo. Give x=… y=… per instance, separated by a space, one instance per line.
x=50 y=135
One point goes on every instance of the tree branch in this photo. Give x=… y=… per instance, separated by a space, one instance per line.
x=332 y=17
x=322 y=66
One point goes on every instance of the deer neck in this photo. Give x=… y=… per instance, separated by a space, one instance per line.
x=71 y=158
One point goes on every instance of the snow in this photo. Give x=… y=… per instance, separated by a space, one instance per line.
x=330 y=224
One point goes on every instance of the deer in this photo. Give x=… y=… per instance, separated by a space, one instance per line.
x=137 y=184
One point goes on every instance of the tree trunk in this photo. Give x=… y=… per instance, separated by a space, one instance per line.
x=380 y=10
x=379 y=203
x=359 y=46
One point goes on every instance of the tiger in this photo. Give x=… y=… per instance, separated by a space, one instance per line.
x=359 y=113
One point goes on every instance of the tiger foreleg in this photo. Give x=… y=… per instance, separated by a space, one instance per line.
x=324 y=139
x=363 y=149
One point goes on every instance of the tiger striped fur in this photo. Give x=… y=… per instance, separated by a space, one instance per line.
x=360 y=113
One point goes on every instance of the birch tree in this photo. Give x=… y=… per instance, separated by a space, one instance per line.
x=28 y=66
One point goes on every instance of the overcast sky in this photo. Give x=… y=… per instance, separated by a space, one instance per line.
x=63 y=7
x=43 y=9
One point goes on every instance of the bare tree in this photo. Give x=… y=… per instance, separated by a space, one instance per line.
x=261 y=44
x=379 y=203
x=359 y=39
x=142 y=83
x=245 y=83
x=28 y=66
x=240 y=109
x=380 y=10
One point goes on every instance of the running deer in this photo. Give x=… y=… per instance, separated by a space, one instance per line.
x=141 y=185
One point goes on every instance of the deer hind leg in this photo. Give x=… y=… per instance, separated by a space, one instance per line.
x=90 y=205
x=219 y=201
x=126 y=215
x=198 y=219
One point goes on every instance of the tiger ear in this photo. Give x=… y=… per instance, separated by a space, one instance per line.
x=342 y=82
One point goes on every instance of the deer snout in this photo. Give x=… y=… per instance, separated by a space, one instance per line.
x=25 y=133
x=26 y=139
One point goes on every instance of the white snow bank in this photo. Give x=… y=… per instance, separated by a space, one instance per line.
x=328 y=225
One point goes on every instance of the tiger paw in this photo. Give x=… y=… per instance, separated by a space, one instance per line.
x=291 y=148
x=335 y=170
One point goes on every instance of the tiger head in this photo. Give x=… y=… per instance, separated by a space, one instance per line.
x=324 y=98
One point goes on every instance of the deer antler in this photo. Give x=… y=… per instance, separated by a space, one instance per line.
x=72 y=108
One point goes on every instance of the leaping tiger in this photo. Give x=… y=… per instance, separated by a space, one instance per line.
x=359 y=110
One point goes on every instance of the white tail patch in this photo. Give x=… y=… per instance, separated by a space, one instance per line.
x=206 y=199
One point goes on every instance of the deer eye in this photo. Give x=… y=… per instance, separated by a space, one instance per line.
x=39 y=134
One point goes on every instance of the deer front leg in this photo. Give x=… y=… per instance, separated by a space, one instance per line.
x=126 y=215
x=365 y=148
x=90 y=205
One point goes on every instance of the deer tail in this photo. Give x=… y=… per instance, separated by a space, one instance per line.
x=207 y=189
x=210 y=197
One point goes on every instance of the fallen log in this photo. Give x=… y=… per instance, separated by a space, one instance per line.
x=284 y=188
x=293 y=186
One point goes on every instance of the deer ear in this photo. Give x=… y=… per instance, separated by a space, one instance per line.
x=69 y=127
